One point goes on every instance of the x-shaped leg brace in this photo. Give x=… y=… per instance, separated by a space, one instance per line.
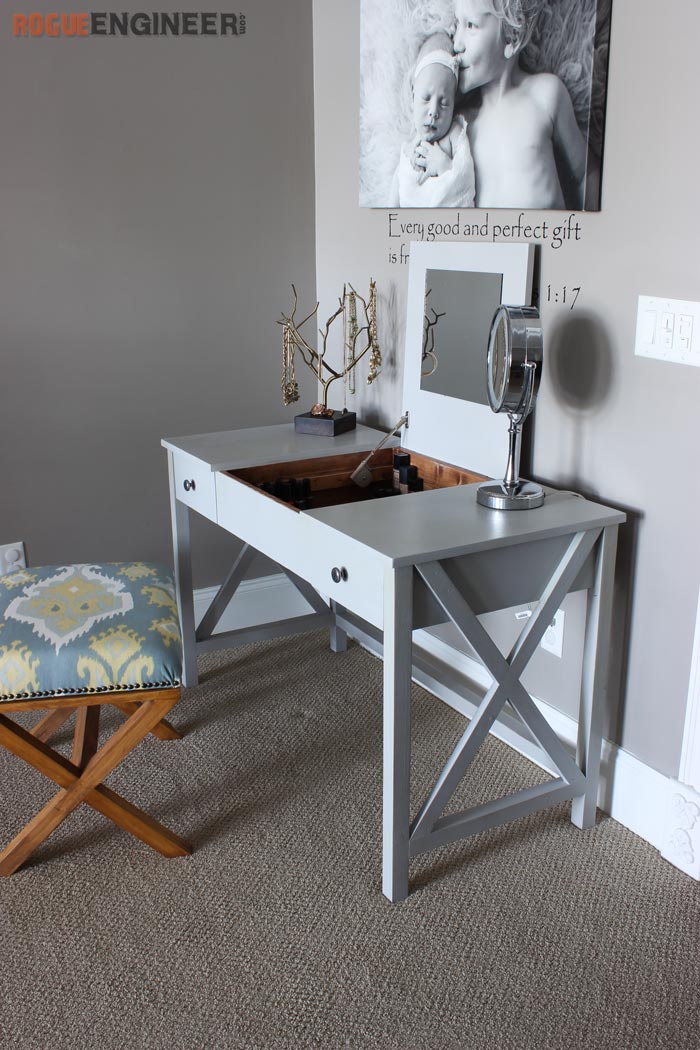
x=577 y=779
x=206 y=636
x=80 y=779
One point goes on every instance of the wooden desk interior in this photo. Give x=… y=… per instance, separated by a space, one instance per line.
x=329 y=477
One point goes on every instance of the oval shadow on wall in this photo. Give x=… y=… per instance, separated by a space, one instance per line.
x=581 y=371
x=579 y=364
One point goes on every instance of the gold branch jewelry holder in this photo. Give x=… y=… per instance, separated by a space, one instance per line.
x=358 y=340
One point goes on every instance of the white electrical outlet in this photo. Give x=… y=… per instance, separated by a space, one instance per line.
x=12 y=558
x=553 y=638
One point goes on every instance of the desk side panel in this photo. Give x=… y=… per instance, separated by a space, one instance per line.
x=194 y=484
x=500 y=579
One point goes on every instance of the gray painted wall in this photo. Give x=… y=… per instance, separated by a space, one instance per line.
x=609 y=424
x=157 y=202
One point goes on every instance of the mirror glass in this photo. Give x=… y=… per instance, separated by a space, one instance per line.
x=459 y=310
x=499 y=363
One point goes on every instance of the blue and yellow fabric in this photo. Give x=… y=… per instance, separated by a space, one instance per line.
x=75 y=629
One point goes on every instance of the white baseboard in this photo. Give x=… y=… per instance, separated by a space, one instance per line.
x=632 y=793
x=263 y=599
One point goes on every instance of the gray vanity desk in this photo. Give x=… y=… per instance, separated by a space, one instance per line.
x=392 y=565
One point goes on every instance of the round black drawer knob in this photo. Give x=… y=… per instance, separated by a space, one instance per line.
x=339 y=574
x=189 y=485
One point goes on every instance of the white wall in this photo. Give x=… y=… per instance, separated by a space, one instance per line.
x=609 y=424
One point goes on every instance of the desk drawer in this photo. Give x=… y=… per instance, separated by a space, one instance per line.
x=344 y=570
x=195 y=484
x=307 y=547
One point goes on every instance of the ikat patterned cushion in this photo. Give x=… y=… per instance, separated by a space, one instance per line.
x=88 y=628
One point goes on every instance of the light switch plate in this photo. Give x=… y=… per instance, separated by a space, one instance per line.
x=668 y=329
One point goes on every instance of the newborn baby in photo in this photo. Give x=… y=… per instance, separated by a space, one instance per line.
x=435 y=168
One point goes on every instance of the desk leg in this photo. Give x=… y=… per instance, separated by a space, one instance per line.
x=594 y=678
x=339 y=638
x=398 y=622
x=180 y=517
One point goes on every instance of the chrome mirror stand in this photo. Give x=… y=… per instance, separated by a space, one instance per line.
x=513 y=366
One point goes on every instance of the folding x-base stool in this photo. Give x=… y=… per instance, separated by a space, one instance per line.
x=87 y=627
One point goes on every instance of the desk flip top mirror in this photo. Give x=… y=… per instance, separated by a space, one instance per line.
x=459 y=309
x=379 y=567
x=449 y=413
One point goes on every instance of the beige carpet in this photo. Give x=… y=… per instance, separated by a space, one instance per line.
x=274 y=934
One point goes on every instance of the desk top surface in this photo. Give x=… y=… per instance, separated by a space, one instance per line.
x=443 y=523
x=417 y=527
x=257 y=446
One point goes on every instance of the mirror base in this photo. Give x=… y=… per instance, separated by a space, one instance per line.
x=523 y=496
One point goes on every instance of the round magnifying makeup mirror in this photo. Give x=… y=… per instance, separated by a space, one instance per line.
x=513 y=368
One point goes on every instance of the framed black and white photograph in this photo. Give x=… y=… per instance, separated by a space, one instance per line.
x=483 y=103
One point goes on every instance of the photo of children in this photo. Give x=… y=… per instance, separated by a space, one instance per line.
x=482 y=103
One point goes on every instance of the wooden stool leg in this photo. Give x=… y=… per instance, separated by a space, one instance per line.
x=87 y=728
x=87 y=786
x=107 y=802
x=49 y=724
x=164 y=730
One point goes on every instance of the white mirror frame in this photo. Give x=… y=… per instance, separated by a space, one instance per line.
x=456 y=431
